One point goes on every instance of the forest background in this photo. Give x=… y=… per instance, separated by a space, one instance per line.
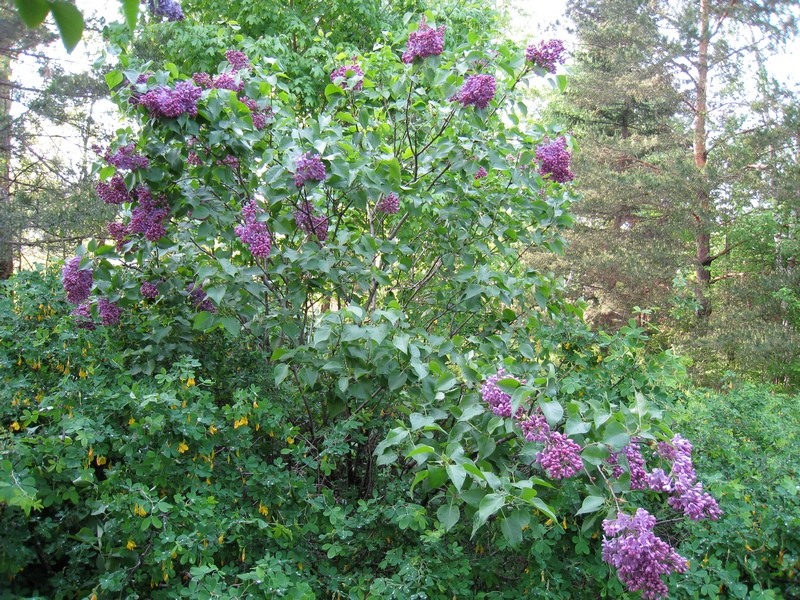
x=670 y=263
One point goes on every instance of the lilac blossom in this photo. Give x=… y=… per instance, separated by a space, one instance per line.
x=199 y=298
x=342 y=76
x=231 y=161
x=481 y=173
x=310 y=223
x=424 y=42
x=168 y=102
x=126 y=158
x=638 y=555
x=554 y=160
x=477 y=91
x=535 y=427
x=389 y=204
x=149 y=215
x=561 y=457
x=77 y=282
x=148 y=290
x=83 y=316
x=696 y=504
x=203 y=80
x=309 y=167
x=109 y=312
x=118 y=233
x=687 y=493
x=254 y=233
x=170 y=9
x=113 y=191
x=237 y=59
x=546 y=54
x=227 y=81
x=636 y=465
x=499 y=401
x=193 y=159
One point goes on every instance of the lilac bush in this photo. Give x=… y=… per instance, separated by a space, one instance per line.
x=477 y=91
x=309 y=167
x=77 y=282
x=342 y=74
x=554 y=160
x=389 y=204
x=546 y=54
x=254 y=233
x=424 y=42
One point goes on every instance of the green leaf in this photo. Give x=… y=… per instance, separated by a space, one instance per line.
x=544 y=507
x=616 y=435
x=203 y=321
x=130 y=8
x=489 y=505
x=216 y=293
x=420 y=476
x=448 y=516
x=231 y=325
x=595 y=455
x=512 y=525
x=421 y=449
x=553 y=412
x=591 y=504
x=32 y=12
x=69 y=22
x=457 y=475
x=113 y=79
x=280 y=372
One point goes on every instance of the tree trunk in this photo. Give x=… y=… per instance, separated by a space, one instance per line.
x=703 y=213
x=6 y=231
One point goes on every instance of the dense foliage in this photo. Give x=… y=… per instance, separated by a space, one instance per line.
x=312 y=334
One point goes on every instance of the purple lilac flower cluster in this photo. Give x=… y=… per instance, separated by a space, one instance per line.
x=77 y=282
x=424 y=42
x=237 y=59
x=687 y=493
x=193 y=159
x=148 y=290
x=169 y=103
x=636 y=464
x=199 y=298
x=309 y=167
x=109 y=312
x=259 y=117
x=230 y=161
x=638 y=555
x=481 y=173
x=113 y=191
x=561 y=456
x=254 y=233
x=149 y=215
x=546 y=54
x=126 y=158
x=554 y=160
x=477 y=91
x=499 y=401
x=389 y=204
x=170 y=9
x=83 y=317
x=310 y=223
x=535 y=427
x=342 y=75
x=227 y=81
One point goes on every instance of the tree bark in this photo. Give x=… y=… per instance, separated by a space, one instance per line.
x=703 y=214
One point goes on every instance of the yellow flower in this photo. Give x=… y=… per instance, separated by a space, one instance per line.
x=240 y=422
x=212 y=430
x=290 y=440
x=183 y=447
x=221 y=538
x=131 y=421
x=139 y=511
x=15 y=426
x=130 y=545
x=101 y=460
x=255 y=404
x=82 y=374
x=263 y=509
x=190 y=382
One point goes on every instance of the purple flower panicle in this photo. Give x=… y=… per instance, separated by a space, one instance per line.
x=343 y=74
x=254 y=233
x=554 y=160
x=477 y=91
x=83 y=316
x=499 y=401
x=77 y=282
x=309 y=167
x=535 y=427
x=126 y=158
x=113 y=191
x=109 y=312
x=310 y=223
x=638 y=555
x=169 y=103
x=227 y=81
x=546 y=54
x=170 y=9
x=237 y=59
x=149 y=215
x=389 y=204
x=561 y=457
x=199 y=298
x=148 y=290
x=424 y=42
x=481 y=173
